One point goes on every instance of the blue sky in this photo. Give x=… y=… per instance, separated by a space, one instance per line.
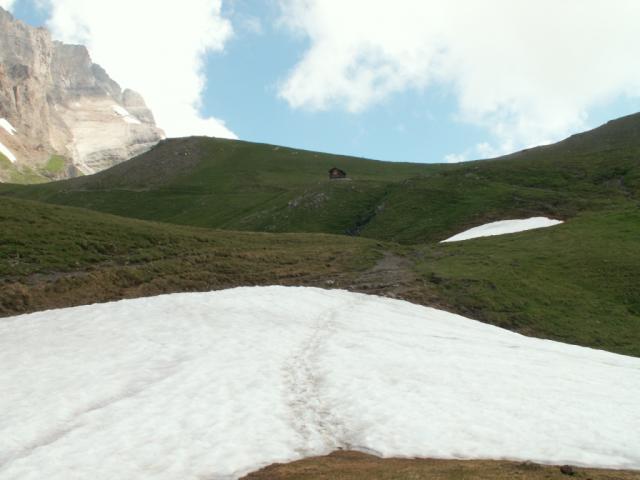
x=412 y=126
x=285 y=72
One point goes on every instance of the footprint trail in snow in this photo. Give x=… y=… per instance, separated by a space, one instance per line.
x=215 y=385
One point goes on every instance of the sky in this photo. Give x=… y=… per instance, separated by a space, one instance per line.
x=408 y=80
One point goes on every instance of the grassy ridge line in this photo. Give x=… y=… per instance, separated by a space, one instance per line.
x=256 y=187
x=232 y=185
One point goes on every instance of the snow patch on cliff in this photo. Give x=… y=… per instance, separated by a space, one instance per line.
x=4 y=123
x=7 y=153
x=126 y=116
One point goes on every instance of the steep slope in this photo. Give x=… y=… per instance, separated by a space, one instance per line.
x=66 y=116
x=246 y=186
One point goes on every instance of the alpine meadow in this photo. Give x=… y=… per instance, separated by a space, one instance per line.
x=319 y=240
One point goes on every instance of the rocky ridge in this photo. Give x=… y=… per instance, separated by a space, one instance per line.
x=61 y=115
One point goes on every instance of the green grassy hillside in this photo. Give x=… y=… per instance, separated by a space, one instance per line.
x=575 y=282
x=53 y=256
x=231 y=185
x=245 y=186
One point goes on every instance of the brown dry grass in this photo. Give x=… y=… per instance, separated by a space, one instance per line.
x=347 y=465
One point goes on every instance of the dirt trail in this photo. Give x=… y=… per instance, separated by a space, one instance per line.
x=350 y=465
x=392 y=276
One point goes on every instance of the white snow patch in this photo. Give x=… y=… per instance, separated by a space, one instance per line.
x=502 y=227
x=126 y=116
x=214 y=385
x=7 y=153
x=4 y=123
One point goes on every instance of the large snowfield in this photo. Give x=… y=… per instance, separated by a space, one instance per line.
x=503 y=227
x=214 y=385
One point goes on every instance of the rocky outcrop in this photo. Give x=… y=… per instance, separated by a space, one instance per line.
x=61 y=114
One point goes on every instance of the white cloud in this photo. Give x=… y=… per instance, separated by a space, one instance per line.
x=7 y=4
x=455 y=157
x=480 y=150
x=156 y=48
x=529 y=71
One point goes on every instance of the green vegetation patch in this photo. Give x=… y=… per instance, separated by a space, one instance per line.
x=55 y=164
x=26 y=176
x=5 y=163
x=22 y=175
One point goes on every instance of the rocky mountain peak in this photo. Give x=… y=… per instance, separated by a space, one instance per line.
x=62 y=115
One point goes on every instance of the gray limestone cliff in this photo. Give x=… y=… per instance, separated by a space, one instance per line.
x=61 y=115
